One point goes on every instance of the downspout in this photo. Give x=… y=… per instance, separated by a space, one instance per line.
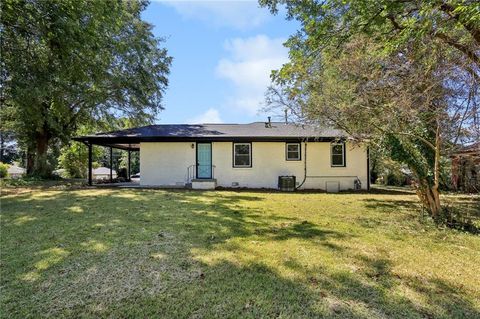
x=304 y=168
x=368 y=168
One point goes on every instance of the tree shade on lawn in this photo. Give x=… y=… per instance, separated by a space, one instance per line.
x=178 y=254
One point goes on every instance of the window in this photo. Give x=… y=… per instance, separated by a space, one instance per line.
x=242 y=155
x=338 y=154
x=293 y=152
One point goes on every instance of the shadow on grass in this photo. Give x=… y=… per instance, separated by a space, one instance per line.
x=132 y=254
x=390 y=204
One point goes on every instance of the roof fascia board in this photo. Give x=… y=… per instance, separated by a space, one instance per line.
x=132 y=140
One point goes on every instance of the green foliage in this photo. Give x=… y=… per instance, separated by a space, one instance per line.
x=393 y=23
x=3 y=170
x=74 y=159
x=74 y=155
x=400 y=75
x=454 y=217
x=393 y=173
x=408 y=153
x=76 y=61
x=134 y=162
x=138 y=253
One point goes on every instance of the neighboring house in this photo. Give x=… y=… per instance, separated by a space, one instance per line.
x=103 y=173
x=15 y=171
x=466 y=168
x=242 y=155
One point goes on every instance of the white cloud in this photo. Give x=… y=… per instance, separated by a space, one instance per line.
x=240 y=15
x=210 y=116
x=249 y=66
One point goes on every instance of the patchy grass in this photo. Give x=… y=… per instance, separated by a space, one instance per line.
x=189 y=254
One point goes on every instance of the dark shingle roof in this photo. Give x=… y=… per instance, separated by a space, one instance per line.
x=257 y=131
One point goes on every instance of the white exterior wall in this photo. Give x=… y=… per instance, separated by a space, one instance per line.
x=319 y=166
x=165 y=164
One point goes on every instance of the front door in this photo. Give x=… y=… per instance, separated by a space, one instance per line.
x=204 y=160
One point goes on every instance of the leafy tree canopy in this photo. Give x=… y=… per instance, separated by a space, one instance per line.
x=390 y=22
x=399 y=74
x=72 y=62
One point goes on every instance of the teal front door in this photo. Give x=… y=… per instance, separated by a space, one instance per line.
x=204 y=160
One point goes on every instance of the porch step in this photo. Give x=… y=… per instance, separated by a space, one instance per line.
x=204 y=183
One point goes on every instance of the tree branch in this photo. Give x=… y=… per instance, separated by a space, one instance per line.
x=450 y=10
x=464 y=49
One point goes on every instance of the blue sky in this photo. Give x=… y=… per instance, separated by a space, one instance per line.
x=223 y=53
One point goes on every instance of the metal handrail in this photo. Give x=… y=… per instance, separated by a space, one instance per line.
x=192 y=172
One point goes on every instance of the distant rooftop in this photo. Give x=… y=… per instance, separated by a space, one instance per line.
x=103 y=171
x=16 y=170
x=473 y=148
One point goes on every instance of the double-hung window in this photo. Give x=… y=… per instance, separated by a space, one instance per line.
x=293 y=152
x=337 y=151
x=242 y=155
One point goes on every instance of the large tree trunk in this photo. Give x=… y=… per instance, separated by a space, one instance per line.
x=430 y=197
x=40 y=165
x=30 y=160
x=429 y=194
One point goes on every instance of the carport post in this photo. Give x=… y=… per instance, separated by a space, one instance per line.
x=129 y=158
x=111 y=164
x=90 y=164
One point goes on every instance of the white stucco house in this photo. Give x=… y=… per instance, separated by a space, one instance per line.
x=250 y=155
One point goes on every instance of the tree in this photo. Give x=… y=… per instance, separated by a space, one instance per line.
x=73 y=160
x=402 y=75
x=76 y=61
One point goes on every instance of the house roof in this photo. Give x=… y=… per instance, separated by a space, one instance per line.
x=472 y=149
x=16 y=170
x=103 y=171
x=257 y=131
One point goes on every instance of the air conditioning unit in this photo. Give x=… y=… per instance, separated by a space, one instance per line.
x=286 y=183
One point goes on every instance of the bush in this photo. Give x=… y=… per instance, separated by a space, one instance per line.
x=122 y=173
x=395 y=179
x=453 y=217
x=3 y=170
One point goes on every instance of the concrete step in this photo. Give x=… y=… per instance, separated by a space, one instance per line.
x=204 y=183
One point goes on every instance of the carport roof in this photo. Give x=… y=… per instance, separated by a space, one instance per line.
x=257 y=131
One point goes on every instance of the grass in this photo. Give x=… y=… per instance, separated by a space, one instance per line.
x=189 y=254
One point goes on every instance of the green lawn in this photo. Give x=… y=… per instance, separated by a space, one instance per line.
x=190 y=254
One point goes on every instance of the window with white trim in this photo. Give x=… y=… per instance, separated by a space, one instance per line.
x=242 y=155
x=337 y=151
x=293 y=152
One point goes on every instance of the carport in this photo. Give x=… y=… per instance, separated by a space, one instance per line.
x=112 y=141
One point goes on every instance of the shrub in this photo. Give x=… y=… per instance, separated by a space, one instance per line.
x=3 y=170
x=395 y=179
x=122 y=173
x=453 y=217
